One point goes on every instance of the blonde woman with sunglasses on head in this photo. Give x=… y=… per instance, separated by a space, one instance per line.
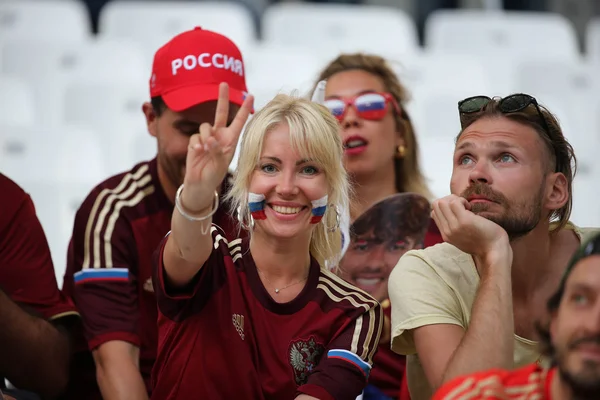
x=259 y=317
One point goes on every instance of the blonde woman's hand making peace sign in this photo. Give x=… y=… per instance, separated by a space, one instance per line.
x=210 y=152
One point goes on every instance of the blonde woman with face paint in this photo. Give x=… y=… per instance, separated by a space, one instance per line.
x=259 y=317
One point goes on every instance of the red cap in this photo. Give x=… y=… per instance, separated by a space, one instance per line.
x=188 y=70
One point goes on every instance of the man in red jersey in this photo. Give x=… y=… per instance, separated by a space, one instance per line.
x=34 y=344
x=122 y=221
x=571 y=343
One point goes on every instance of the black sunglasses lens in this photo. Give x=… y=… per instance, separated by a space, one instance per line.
x=473 y=104
x=514 y=103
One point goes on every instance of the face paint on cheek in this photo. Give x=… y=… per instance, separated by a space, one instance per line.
x=318 y=209
x=256 y=204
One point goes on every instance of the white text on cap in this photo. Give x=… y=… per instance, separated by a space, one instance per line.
x=207 y=60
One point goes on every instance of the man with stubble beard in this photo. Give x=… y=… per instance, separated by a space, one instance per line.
x=469 y=304
x=122 y=221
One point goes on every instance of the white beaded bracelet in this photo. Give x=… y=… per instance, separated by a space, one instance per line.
x=190 y=217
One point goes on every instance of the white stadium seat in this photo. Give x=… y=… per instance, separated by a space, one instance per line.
x=113 y=111
x=332 y=28
x=568 y=89
x=58 y=20
x=586 y=192
x=501 y=33
x=153 y=23
x=49 y=66
x=64 y=153
x=280 y=69
x=436 y=159
x=17 y=101
x=41 y=58
x=592 y=41
x=56 y=203
x=429 y=71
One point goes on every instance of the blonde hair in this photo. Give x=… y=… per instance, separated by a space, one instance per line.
x=409 y=177
x=314 y=135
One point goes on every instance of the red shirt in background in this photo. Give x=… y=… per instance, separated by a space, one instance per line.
x=226 y=338
x=26 y=271
x=529 y=382
x=109 y=269
x=433 y=235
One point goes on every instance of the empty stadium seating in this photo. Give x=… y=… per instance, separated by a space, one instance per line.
x=334 y=28
x=60 y=20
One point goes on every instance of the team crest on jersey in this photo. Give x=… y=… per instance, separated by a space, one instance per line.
x=304 y=357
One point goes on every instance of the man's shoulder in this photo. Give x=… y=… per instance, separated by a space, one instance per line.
x=13 y=197
x=122 y=191
x=9 y=187
x=442 y=256
x=125 y=180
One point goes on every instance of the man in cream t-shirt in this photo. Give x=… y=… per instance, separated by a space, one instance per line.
x=470 y=304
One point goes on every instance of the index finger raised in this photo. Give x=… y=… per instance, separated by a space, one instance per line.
x=222 y=110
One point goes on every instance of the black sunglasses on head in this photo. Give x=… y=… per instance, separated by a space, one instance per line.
x=509 y=104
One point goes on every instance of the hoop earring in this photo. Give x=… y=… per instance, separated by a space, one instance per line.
x=240 y=217
x=338 y=217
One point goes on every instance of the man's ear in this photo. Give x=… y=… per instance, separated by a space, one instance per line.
x=151 y=118
x=557 y=191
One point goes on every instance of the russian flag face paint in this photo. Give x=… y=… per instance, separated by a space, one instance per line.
x=318 y=209
x=256 y=203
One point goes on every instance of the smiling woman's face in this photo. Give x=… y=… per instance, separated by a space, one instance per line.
x=289 y=183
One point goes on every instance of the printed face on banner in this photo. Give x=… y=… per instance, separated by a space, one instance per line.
x=380 y=236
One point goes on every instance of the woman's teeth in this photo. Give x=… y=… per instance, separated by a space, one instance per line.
x=287 y=210
x=354 y=143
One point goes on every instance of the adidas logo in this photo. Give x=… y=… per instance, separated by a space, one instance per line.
x=238 y=323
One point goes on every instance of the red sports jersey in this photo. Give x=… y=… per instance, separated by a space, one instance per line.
x=109 y=268
x=226 y=338
x=26 y=269
x=529 y=382
x=388 y=367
